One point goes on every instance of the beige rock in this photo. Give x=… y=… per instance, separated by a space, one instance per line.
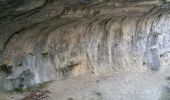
x=63 y=39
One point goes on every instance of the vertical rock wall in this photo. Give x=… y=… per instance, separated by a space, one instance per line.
x=57 y=41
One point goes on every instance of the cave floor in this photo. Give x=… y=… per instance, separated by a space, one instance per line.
x=118 y=86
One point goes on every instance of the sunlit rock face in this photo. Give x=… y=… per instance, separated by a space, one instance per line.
x=45 y=40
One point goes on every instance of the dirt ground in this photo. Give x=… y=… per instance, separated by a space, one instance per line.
x=117 y=86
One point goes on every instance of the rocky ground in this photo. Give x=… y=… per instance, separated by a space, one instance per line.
x=118 y=86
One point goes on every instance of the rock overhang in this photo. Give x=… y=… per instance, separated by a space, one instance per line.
x=62 y=39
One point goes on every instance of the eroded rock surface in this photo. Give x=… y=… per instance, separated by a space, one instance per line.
x=58 y=39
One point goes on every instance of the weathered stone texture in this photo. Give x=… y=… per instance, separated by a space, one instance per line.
x=60 y=39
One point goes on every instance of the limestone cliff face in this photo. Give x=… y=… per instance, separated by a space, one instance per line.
x=45 y=40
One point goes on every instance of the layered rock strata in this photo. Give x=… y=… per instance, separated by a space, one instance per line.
x=45 y=40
